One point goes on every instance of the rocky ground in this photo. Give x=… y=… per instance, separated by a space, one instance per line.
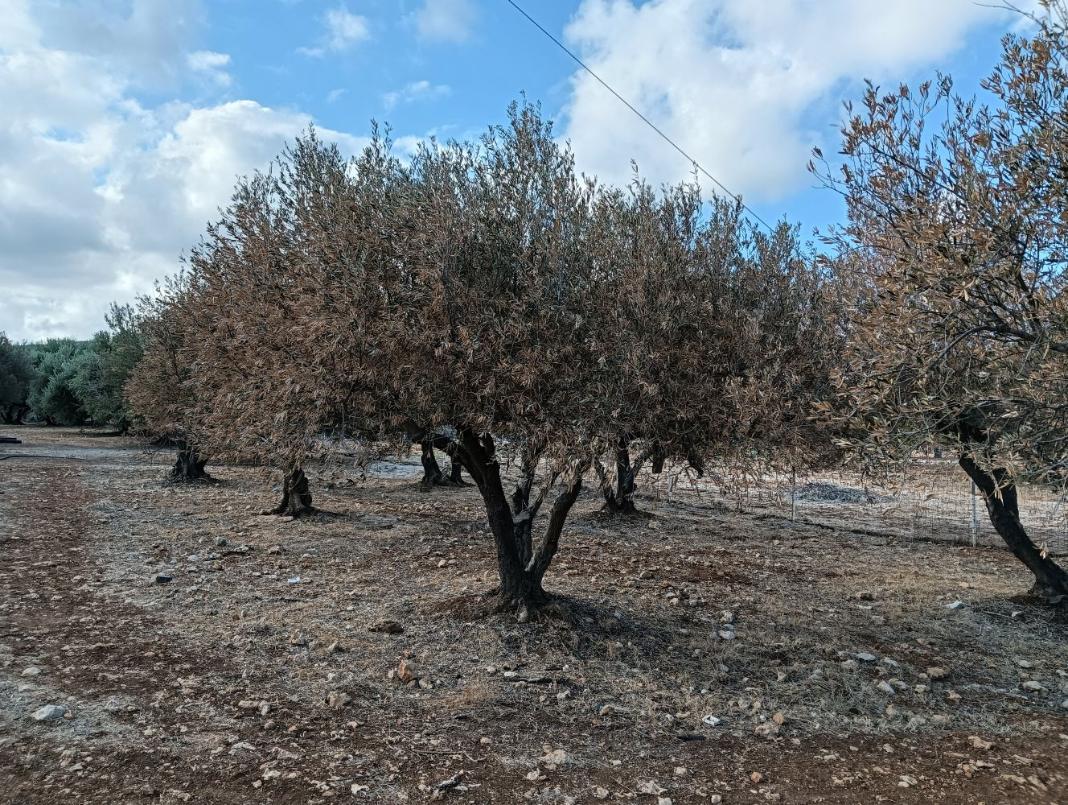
x=171 y=644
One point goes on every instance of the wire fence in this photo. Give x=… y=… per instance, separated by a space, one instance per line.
x=932 y=499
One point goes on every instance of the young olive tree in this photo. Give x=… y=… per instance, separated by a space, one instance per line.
x=957 y=239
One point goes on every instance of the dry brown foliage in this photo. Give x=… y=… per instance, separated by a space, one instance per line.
x=487 y=288
x=958 y=218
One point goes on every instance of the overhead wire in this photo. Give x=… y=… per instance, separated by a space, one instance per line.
x=749 y=210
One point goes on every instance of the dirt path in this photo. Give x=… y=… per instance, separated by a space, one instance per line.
x=251 y=675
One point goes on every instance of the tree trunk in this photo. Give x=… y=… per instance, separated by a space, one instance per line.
x=432 y=472
x=620 y=500
x=189 y=467
x=520 y=567
x=296 y=495
x=999 y=494
x=14 y=413
x=455 y=471
x=432 y=475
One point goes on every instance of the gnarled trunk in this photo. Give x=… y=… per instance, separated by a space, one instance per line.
x=432 y=473
x=999 y=494
x=296 y=495
x=619 y=494
x=620 y=498
x=521 y=565
x=189 y=466
x=456 y=473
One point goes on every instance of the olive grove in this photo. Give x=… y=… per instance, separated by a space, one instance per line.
x=484 y=298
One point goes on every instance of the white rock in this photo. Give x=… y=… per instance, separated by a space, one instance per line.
x=557 y=757
x=50 y=712
x=33 y=670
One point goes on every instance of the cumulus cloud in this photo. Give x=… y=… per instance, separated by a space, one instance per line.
x=99 y=193
x=343 y=30
x=415 y=91
x=746 y=88
x=445 y=20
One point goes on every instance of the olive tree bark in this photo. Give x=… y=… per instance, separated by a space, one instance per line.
x=189 y=466
x=296 y=495
x=1002 y=506
x=619 y=498
x=432 y=473
x=521 y=564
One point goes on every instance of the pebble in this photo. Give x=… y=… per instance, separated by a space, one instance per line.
x=937 y=672
x=336 y=699
x=33 y=670
x=557 y=757
x=50 y=712
x=865 y=656
x=163 y=578
x=1032 y=685
x=406 y=672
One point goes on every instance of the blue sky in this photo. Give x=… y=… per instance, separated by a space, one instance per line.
x=127 y=120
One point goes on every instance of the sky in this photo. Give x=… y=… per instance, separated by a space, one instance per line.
x=124 y=123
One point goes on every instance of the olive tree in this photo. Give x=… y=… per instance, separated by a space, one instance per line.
x=957 y=241
x=481 y=287
x=157 y=390
x=16 y=375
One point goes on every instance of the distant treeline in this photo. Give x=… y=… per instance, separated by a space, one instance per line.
x=62 y=381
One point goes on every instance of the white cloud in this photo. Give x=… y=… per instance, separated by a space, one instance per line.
x=746 y=88
x=445 y=20
x=416 y=91
x=100 y=194
x=211 y=65
x=343 y=30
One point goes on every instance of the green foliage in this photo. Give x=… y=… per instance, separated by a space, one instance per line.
x=100 y=372
x=52 y=397
x=73 y=382
x=16 y=372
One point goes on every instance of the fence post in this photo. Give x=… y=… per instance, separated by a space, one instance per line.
x=975 y=516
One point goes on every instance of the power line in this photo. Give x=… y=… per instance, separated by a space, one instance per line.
x=644 y=119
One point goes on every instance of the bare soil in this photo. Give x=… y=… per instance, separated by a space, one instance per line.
x=695 y=654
